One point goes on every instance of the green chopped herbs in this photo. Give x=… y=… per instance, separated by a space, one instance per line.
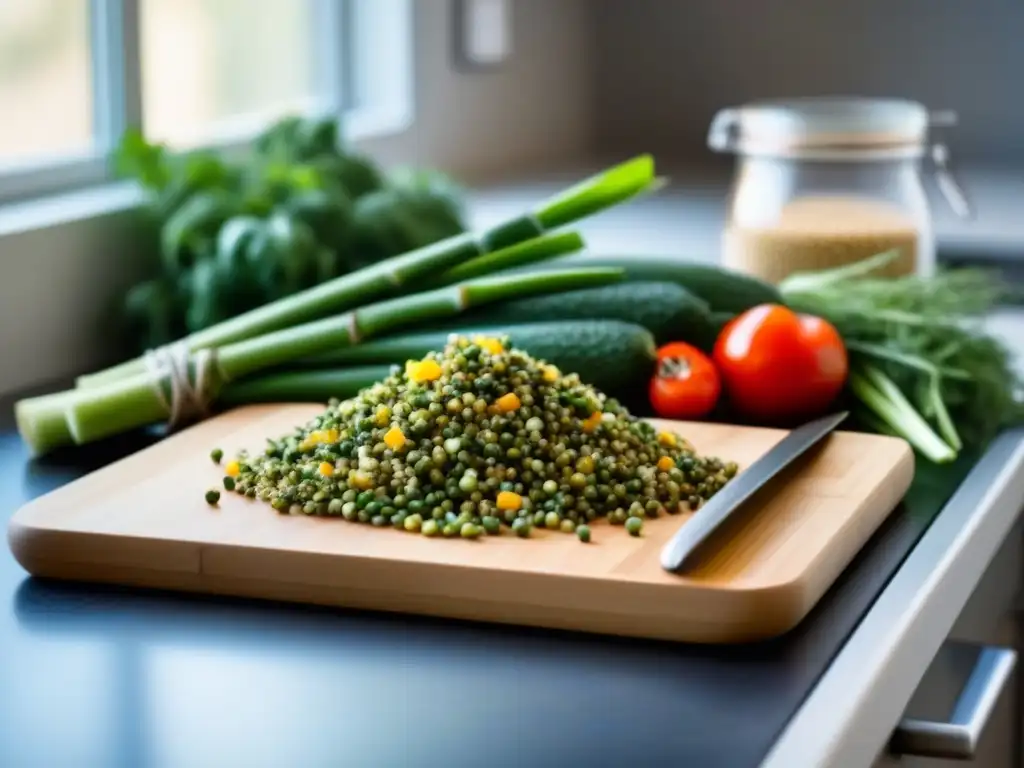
x=474 y=439
x=924 y=365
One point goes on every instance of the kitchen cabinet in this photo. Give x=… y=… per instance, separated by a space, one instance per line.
x=992 y=619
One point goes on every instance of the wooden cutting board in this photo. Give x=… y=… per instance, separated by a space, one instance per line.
x=143 y=521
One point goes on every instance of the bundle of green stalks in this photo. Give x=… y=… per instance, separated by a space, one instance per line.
x=923 y=365
x=429 y=284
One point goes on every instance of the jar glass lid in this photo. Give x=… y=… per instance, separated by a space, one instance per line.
x=839 y=128
x=820 y=123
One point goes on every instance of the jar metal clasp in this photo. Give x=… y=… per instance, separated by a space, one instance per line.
x=722 y=131
x=948 y=185
x=951 y=190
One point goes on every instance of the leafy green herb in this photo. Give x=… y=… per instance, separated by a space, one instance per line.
x=300 y=209
x=923 y=364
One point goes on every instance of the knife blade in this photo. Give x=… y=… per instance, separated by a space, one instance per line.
x=731 y=499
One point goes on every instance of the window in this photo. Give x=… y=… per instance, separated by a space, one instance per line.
x=239 y=64
x=44 y=80
x=75 y=73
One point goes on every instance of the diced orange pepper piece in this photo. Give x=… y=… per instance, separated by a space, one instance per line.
x=508 y=402
x=425 y=370
x=509 y=500
x=360 y=480
x=492 y=345
x=394 y=438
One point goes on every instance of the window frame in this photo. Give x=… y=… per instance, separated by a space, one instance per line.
x=343 y=60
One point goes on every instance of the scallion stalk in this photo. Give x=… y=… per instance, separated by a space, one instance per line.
x=41 y=422
x=603 y=190
x=97 y=412
x=598 y=192
x=944 y=421
x=939 y=377
x=532 y=251
x=879 y=394
x=916 y=362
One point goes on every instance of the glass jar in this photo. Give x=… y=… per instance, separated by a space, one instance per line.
x=824 y=182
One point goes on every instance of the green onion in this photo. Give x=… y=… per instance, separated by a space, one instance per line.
x=621 y=182
x=526 y=253
x=97 y=412
x=945 y=423
x=603 y=190
x=911 y=361
x=923 y=364
x=886 y=401
x=41 y=422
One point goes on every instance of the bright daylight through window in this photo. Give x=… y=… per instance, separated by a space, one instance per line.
x=190 y=72
x=45 y=80
x=243 y=63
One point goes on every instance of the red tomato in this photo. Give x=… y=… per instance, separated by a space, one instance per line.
x=777 y=365
x=686 y=384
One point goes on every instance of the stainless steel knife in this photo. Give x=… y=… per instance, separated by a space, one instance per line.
x=728 y=501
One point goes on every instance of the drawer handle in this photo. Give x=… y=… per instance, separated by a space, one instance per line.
x=958 y=739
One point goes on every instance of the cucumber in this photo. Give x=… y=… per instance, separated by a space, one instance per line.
x=614 y=356
x=668 y=311
x=724 y=290
x=302 y=386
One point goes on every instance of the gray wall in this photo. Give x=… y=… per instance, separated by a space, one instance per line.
x=534 y=109
x=663 y=67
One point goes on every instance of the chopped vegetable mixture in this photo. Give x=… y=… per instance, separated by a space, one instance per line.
x=476 y=438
